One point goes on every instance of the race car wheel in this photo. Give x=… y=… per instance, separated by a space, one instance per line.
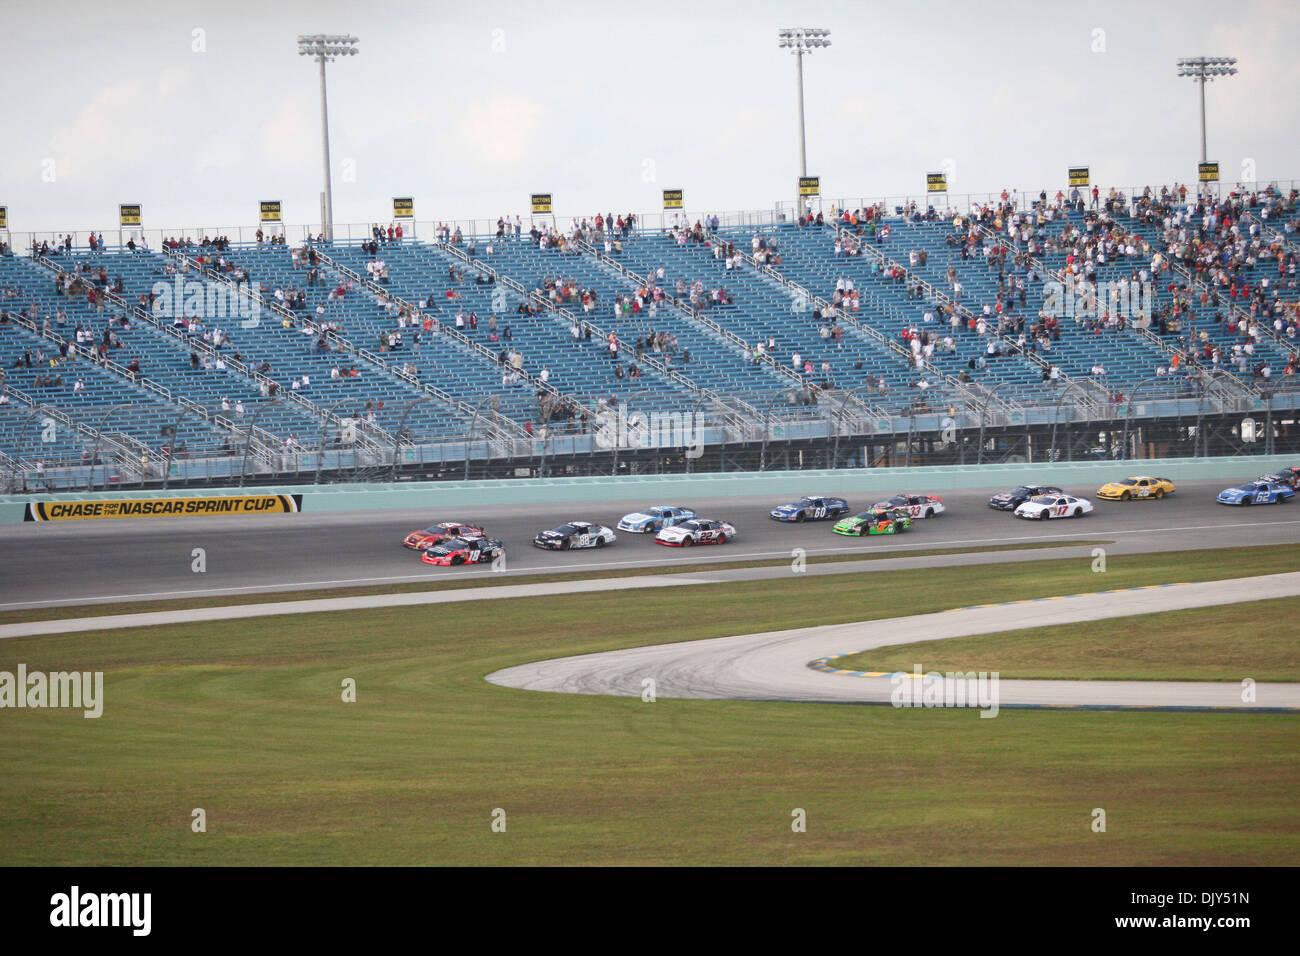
x=457 y=559
x=799 y=517
x=600 y=542
x=1281 y=499
x=929 y=512
x=1160 y=492
x=722 y=539
x=1043 y=515
x=1078 y=512
x=1125 y=496
x=564 y=545
x=687 y=542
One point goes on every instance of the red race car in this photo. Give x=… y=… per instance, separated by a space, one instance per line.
x=464 y=551
x=426 y=539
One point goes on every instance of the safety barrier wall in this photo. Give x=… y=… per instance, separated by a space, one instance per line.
x=669 y=489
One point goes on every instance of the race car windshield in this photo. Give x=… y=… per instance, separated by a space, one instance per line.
x=454 y=544
x=1127 y=481
x=568 y=529
x=689 y=525
x=1022 y=492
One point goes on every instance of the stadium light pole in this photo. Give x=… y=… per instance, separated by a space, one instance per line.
x=99 y=434
x=801 y=40
x=1137 y=390
x=325 y=47
x=1203 y=69
x=397 y=438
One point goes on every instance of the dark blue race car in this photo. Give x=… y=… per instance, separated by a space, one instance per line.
x=1013 y=499
x=812 y=508
x=1258 y=492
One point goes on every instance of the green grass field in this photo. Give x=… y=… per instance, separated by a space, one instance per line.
x=1255 y=639
x=245 y=720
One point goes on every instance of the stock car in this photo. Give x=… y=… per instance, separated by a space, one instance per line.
x=811 y=508
x=917 y=506
x=1261 y=491
x=1284 y=476
x=454 y=550
x=875 y=521
x=654 y=518
x=574 y=535
x=1054 y=506
x=1139 y=486
x=428 y=537
x=1013 y=499
x=696 y=531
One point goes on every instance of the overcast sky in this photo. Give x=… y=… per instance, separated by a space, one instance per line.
x=199 y=110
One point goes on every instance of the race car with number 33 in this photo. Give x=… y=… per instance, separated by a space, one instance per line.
x=917 y=506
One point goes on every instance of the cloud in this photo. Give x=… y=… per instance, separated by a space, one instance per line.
x=285 y=137
x=499 y=131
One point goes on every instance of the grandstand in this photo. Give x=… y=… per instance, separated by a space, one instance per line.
x=1016 y=329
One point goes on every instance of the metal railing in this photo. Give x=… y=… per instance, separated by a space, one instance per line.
x=563 y=315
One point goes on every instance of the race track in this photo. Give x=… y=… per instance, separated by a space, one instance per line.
x=79 y=562
x=775 y=665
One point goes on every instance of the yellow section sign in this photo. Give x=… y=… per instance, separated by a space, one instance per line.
x=672 y=199
x=129 y=214
x=1080 y=176
x=541 y=202
x=164 y=507
x=269 y=210
x=403 y=207
x=810 y=185
x=1208 y=172
x=4 y=217
x=936 y=182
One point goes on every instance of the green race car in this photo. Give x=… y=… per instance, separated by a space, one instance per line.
x=875 y=521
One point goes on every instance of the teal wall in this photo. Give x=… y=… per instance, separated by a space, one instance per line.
x=672 y=488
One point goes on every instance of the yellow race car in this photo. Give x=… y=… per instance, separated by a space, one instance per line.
x=1140 y=486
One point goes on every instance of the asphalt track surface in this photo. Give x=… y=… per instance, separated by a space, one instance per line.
x=77 y=562
x=775 y=665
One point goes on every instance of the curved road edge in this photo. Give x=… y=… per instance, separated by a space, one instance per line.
x=774 y=666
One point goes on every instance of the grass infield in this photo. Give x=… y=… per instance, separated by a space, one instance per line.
x=245 y=721
x=1227 y=643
